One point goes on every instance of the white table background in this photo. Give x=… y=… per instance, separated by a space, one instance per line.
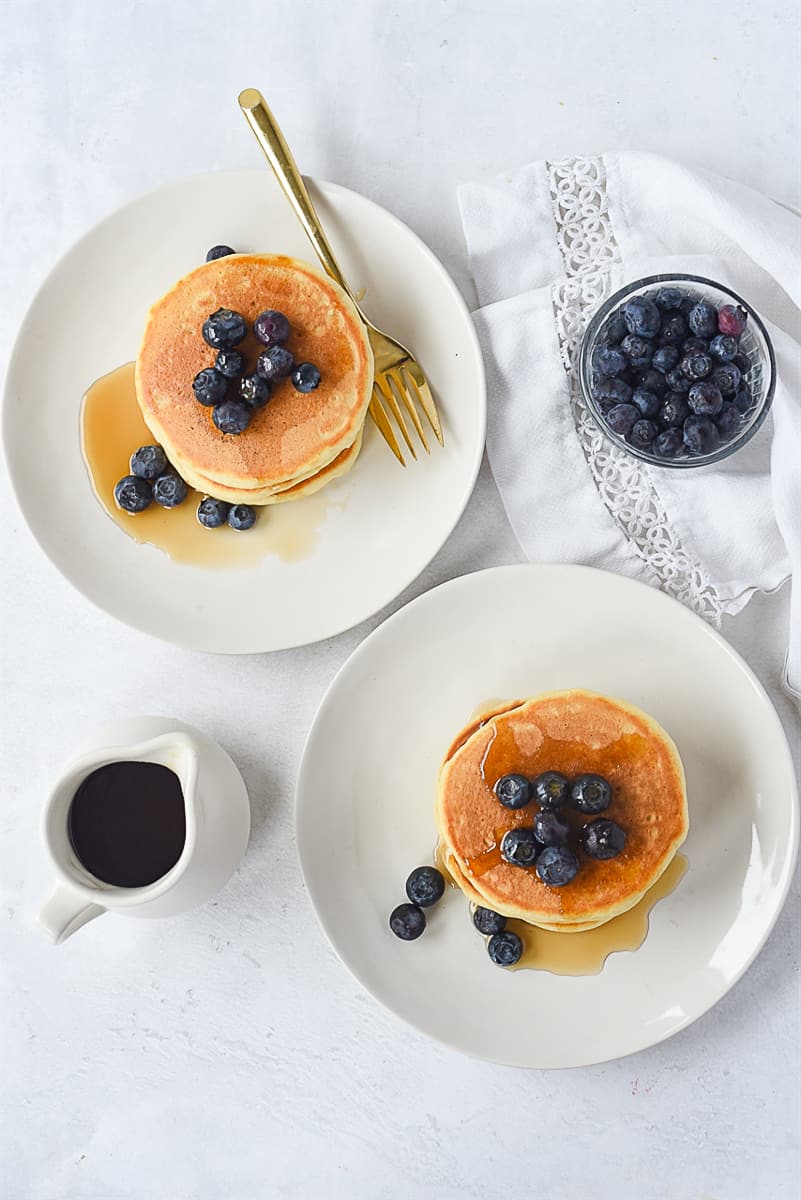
x=226 y=1054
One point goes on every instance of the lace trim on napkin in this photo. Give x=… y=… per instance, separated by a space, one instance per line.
x=591 y=256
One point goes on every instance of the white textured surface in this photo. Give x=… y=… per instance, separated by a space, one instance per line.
x=226 y=1054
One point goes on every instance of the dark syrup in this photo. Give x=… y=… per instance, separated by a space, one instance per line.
x=127 y=823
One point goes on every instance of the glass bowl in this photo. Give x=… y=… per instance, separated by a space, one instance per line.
x=754 y=344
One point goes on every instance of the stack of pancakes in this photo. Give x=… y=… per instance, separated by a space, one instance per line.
x=572 y=732
x=298 y=442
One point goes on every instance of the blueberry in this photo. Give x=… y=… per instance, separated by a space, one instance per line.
x=642 y=435
x=732 y=320
x=703 y=319
x=694 y=343
x=622 y=418
x=241 y=517
x=275 y=363
x=637 y=350
x=232 y=416
x=677 y=381
x=646 y=402
x=727 y=377
x=701 y=435
x=728 y=421
x=209 y=387
x=519 y=847
x=641 y=316
x=668 y=298
x=608 y=361
x=590 y=793
x=551 y=789
x=254 y=390
x=668 y=443
x=723 y=347
x=674 y=410
x=306 y=377
x=133 y=494
x=665 y=359
x=488 y=922
x=613 y=391
x=218 y=252
x=550 y=829
x=271 y=328
x=505 y=949
x=743 y=398
x=742 y=362
x=148 y=462
x=695 y=365
x=674 y=329
x=425 y=886
x=407 y=922
x=650 y=380
x=557 y=865
x=603 y=838
x=230 y=363
x=513 y=791
x=224 y=329
x=615 y=329
x=169 y=490
x=705 y=399
x=212 y=513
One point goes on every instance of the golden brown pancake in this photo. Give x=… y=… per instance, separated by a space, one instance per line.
x=572 y=732
x=296 y=435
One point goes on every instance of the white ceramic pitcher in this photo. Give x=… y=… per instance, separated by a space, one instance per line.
x=217 y=826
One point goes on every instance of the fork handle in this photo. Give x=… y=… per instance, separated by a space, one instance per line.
x=279 y=156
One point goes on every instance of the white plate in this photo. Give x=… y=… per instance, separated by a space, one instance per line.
x=366 y=794
x=384 y=523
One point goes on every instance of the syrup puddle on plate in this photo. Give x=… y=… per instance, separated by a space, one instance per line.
x=112 y=427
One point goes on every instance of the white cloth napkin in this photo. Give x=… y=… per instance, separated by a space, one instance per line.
x=547 y=244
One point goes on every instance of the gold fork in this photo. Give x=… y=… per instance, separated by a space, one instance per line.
x=399 y=380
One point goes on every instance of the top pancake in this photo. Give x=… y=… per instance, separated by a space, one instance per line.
x=295 y=435
x=572 y=732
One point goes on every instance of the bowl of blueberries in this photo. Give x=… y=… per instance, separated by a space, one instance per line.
x=678 y=370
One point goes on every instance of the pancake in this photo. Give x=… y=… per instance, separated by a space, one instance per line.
x=296 y=435
x=572 y=732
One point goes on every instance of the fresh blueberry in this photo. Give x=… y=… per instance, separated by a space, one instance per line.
x=665 y=359
x=551 y=789
x=254 y=390
x=742 y=362
x=212 y=513
x=241 y=517
x=674 y=410
x=557 y=865
x=590 y=793
x=650 y=380
x=732 y=320
x=209 y=387
x=723 y=347
x=642 y=435
x=615 y=329
x=505 y=949
x=641 y=316
x=705 y=399
x=612 y=391
x=728 y=421
x=692 y=344
x=218 y=252
x=703 y=319
x=550 y=829
x=224 y=329
x=637 y=350
x=603 y=838
x=133 y=494
x=275 y=363
x=230 y=363
x=488 y=922
x=646 y=402
x=622 y=418
x=677 y=381
x=519 y=847
x=232 y=416
x=407 y=922
x=271 y=328
x=306 y=377
x=727 y=377
x=425 y=886
x=668 y=443
x=743 y=398
x=148 y=462
x=674 y=329
x=513 y=791
x=701 y=435
x=169 y=490
x=695 y=365
x=668 y=298
x=608 y=361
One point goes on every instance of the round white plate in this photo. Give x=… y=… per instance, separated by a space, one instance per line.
x=367 y=785
x=384 y=522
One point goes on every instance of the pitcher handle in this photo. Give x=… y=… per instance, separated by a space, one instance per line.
x=65 y=911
